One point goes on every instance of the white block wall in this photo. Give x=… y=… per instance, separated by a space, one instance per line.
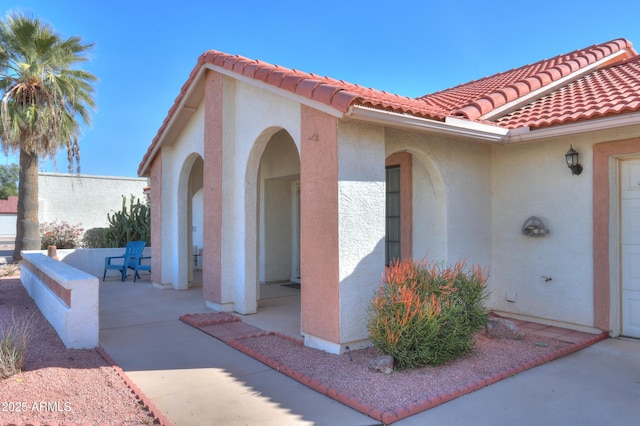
x=84 y=199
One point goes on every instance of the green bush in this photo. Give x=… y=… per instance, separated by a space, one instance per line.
x=94 y=238
x=131 y=223
x=14 y=339
x=425 y=314
x=62 y=235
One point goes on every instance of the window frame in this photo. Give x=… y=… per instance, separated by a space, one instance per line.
x=403 y=160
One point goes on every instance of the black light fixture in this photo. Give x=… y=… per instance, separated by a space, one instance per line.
x=572 y=161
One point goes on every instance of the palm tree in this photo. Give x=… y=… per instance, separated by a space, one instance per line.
x=45 y=101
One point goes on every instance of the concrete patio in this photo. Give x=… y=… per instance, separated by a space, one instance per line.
x=195 y=379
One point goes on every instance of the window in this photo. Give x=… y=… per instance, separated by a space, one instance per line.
x=393 y=231
x=399 y=222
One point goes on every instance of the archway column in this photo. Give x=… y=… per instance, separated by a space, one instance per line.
x=319 y=239
x=212 y=191
x=156 y=223
x=342 y=228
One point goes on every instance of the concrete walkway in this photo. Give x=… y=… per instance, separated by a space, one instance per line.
x=195 y=379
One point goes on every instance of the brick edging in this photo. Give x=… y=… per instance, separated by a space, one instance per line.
x=153 y=410
x=205 y=319
x=388 y=417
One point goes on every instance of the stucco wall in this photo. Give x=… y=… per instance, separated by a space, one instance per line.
x=251 y=116
x=177 y=162
x=550 y=276
x=470 y=201
x=84 y=199
x=361 y=198
x=452 y=196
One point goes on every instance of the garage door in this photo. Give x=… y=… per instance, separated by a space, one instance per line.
x=630 y=247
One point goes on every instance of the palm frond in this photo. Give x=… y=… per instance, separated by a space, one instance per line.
x=45 y=100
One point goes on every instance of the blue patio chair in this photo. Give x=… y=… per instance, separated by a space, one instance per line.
x=131 y=259
x=137 y=265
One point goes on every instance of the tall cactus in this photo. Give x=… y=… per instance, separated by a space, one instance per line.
x=129 y=224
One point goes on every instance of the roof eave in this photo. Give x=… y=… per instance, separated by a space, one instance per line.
x=589 y=126
x=287 y=94
x=486 y=133
x=451 y=126
x=186 y=105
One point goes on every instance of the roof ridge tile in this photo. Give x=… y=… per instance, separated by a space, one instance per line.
x=535 y=76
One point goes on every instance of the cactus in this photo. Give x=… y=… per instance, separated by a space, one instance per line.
x=132 y=223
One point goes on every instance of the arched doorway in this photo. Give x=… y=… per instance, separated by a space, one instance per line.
x=277 y=207
x=278 y=192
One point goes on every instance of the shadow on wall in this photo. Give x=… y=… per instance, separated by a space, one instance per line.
x=91 y=261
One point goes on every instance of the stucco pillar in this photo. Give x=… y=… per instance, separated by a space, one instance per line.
x=156 y=220
x=212 y=190
x=319 y=264
x=361 y=226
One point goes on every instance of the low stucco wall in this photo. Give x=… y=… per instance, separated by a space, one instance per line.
x=67 y=297
x=91 y=261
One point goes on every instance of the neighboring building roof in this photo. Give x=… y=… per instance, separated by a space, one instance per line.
x=9 y=206
x=597 y=81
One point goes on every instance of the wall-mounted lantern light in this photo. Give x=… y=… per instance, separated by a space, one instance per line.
x=572 y=161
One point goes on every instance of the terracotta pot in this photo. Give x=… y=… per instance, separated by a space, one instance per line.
x=53 y=252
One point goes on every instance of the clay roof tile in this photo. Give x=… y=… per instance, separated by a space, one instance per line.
x=613 y=88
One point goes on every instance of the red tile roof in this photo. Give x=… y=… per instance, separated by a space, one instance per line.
x=9 y=206
x=478 y=98
x=609 y=91
x=609 y=86
x=335 y=93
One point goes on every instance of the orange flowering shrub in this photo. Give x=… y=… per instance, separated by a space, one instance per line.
x=426 y=314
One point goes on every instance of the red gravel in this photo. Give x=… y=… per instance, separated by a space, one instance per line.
x=59 y=385
x=400 y=389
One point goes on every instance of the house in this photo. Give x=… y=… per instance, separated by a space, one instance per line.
x=302 y=177
x=8 y=215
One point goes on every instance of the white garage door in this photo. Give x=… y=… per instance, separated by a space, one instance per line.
x=630 y=240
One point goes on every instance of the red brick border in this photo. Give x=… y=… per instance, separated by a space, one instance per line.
x=64 y=294
x=388 y=417
x=153 y=410
x=209 y=318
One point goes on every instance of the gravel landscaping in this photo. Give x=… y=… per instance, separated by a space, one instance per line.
x=60 y=385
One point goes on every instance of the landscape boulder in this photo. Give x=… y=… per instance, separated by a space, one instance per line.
x=382 y=364
x=500 y=328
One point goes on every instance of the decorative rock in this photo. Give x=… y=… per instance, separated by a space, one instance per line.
x=382 y=364
x=500 y=328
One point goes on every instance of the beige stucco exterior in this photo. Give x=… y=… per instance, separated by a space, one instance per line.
x=247 y=146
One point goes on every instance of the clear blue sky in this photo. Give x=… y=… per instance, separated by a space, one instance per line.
x=144 y=50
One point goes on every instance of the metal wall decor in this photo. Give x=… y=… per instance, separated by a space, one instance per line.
x=533 y=227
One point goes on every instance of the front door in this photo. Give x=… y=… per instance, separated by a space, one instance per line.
x=630 y=246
